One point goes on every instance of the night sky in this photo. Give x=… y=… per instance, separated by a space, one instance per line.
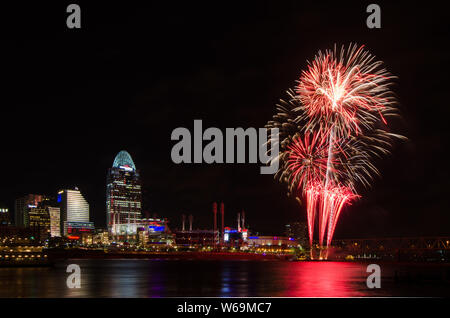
x=72 y=99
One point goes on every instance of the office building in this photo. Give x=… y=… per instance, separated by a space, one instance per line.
x=22 y=206
x=4 y=216
x=74 y=209
x=39 y=222
x=55 y=221
x=123 y=197
x=299 y=231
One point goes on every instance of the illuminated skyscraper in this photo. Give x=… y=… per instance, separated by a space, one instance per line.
x=123 y=196
x=74 y=212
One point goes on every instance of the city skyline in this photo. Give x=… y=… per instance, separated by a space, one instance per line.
x=232 y=76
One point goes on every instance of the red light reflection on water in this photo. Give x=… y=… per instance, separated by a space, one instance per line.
x=326 y=279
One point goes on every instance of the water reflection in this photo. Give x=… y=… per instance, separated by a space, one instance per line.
x=169 y=278
x=326 y=279
x=234 y=279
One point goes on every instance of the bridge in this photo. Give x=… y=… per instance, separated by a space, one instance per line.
x=399 y=248
x=395 y=243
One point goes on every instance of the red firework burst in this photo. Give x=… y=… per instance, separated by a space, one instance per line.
x=334 y=116
x=345 y=91
x=308 y=159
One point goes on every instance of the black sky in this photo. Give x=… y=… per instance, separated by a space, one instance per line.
x=72 y=99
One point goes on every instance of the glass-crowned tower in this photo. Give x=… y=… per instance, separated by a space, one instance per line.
x=123 y=196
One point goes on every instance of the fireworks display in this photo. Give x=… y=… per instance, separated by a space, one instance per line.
x=332 y=127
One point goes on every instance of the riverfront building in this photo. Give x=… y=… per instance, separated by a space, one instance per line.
x=23 y=206
x=74 y=213
x=258 y=241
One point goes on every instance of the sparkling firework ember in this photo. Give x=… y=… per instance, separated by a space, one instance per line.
x=308 y=159
x=345 y=91
x=330 y=132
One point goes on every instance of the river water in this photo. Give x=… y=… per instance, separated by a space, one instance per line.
x=172 y=278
